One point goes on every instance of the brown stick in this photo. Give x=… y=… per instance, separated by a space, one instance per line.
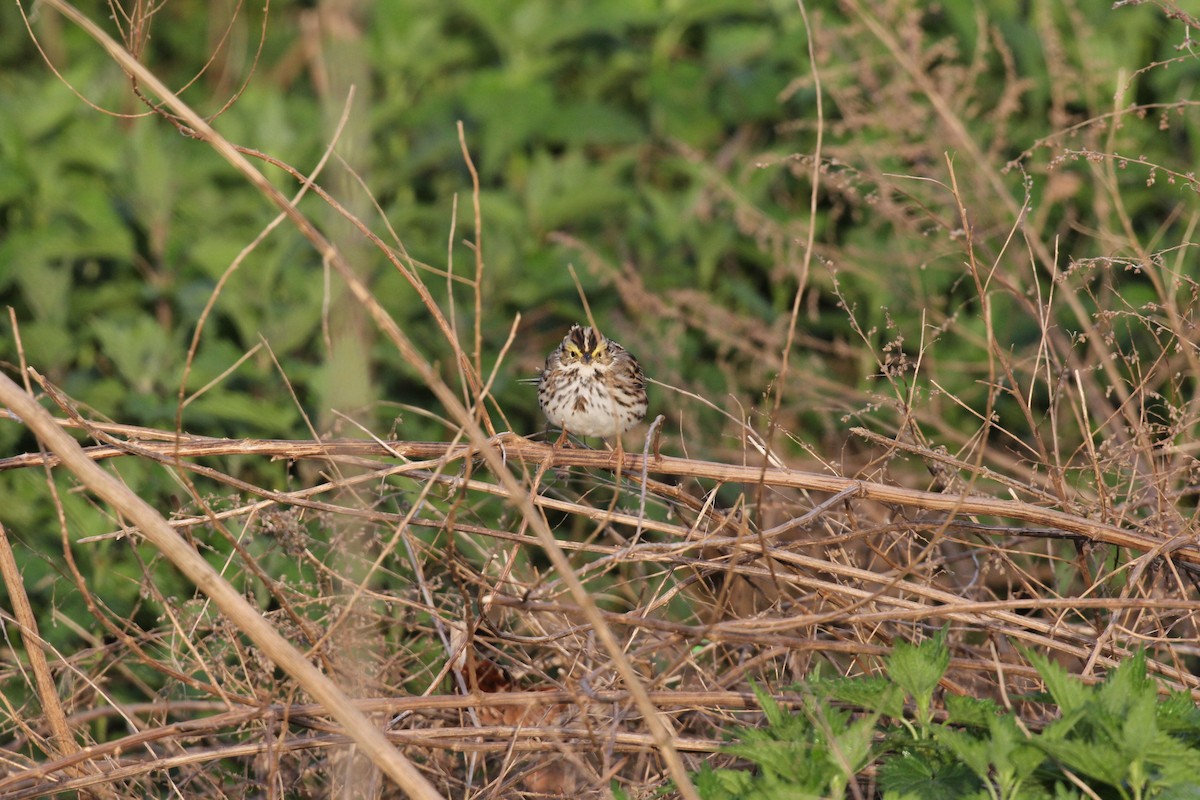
x=64 y=742
x=516 y=447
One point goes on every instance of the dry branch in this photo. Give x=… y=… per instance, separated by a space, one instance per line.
x=1050 y=521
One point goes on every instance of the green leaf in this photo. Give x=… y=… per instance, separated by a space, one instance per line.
x=968 y=749
x=875 y=694
x=46 y=286
x=568 y=187
x=594 y=124
x=1140 y=728
x=47 y=342
x=1012 y=755
x=775 y=715
x=975 y=711
x=681 y=103
x=850 y=751
x=917 y=670
x=1178 y=714
x=220 y=409
x=1127 y=687
x=927 y=778
x=138 y=347
x=1068 y=692
x=1097 y=760
x=492 y=96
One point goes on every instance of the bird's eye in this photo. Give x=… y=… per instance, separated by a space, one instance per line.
x=573 y=350
x=600 y=349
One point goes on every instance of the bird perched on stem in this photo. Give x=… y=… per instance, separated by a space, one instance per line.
x=592 y=386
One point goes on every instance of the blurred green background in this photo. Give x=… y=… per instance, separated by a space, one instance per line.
x=594 y=120
x=659 y=146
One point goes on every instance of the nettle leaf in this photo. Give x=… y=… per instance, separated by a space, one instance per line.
x=976 y=711
x=1012 y=755
x=233 y=411
x=811 y=754
x=1062 y=728
x=1178 y=714
x=910 y=775
x=969 y=749
x=851 y=752
x=491 y=96
x=1068 y=692
x=879 y=695
x=736 y=44
x=1026 y=759
x=1141 y=725
x=681 y=103
x=594 y=123
x=722 y=783
x=142 y=352
x=563 y=188
x=1097 y=760
x=708 y=10
x=46 y=286
x=799 y=765
x=1127 y=687
x=917 y=670
x=48 y=342
x=774 y=714
x=1172 y=762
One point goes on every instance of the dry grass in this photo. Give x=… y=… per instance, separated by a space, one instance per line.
x=438 y=611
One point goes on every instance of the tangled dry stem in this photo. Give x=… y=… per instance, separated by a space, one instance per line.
x=476 y=660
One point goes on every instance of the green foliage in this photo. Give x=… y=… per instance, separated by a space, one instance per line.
x=917 y=670
x=1116 y=735
x=629 y=124
x=1112 y=732
x=809 y=755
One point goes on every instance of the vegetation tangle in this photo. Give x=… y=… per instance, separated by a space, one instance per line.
x=911 y=513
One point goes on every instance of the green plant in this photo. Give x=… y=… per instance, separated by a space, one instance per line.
x=808 y=755
x=1120 y=733
x=1117 y=737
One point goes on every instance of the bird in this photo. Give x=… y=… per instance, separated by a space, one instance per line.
x=592 y=386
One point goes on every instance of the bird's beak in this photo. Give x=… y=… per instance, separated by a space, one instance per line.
x=587 y=358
